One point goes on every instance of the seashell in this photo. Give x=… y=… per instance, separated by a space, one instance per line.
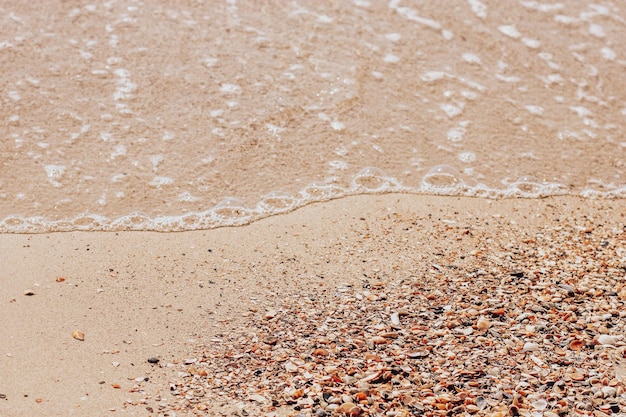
x=350 y=409
x=29 y=292
x=530 y=347
x=576 y=344
x=605 y=339
x=78 y=335
x=609 y=391
x=258 y=398
x=116 y=386
x=270 y=314
x=576 y=376
x=360 y=396
x=540 y=405
x=372 y=376
x=60 y=279
x=395 y=319
x=291 y=367
x=321 y=352
x=379 y=340
x=483 y=324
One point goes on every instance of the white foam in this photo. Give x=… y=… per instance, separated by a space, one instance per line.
x=478 y=8
x=160 y=181
x=187 y=197
x=531 y=43
x=456 y=134
x=433 y=76
x=14 y=95
x=471 y=58
x=230 y=89
x=542 y=7
x=467 y=157
x=597 y=30
x=535 y=110
x=608 y=53
x=510 y=31
x=411 y=14
x=231 y=211
x=393 y=37
x=391 y=59
x=451 y=110
x=337 y=125
x=567 y=20
x=55 y=173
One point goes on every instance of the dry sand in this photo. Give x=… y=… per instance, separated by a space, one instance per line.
x=137 y=295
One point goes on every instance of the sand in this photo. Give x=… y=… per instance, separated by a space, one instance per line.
x=136 y=295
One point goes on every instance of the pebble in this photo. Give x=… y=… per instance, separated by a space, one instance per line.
x=153 y=359
x=29 y=292
x=78 y=335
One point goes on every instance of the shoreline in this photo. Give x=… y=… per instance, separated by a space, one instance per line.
x=138 y=295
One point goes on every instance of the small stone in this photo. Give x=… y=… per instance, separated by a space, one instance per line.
x=153 y=359
x=78 y=335
x=29 y=292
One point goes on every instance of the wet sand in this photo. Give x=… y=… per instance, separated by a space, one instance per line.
x=173 y=296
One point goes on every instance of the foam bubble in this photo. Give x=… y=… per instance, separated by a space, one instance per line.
x=232 y=208
x=441 y=178
x=374 y=180
x=277 y=202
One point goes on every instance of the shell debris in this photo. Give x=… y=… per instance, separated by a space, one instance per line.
x=477 y=339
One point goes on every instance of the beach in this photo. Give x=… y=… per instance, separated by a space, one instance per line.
x=188 y=300
x=312 y=208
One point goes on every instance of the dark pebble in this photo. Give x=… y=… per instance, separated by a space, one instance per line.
x=153 y=359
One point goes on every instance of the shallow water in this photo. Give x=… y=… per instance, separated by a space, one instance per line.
x=136 y=115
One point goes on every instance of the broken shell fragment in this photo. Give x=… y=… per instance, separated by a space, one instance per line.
x=483 y=324
x=78 y=335
x=605 y=339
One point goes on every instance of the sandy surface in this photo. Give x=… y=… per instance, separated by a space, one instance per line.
x=137 y=295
